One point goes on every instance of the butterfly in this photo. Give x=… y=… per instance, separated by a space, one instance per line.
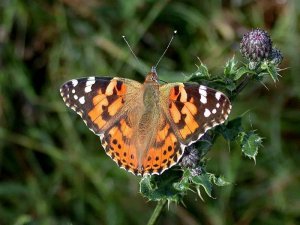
x=145 y=128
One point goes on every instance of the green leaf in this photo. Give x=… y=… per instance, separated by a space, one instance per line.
x=202 y=71
x=203 y=146
x=219 y=181
x=230 y=68
x=250 y=142
x=231 y=130
x=204 y=181
x=159 y=187
x=271 y=70
x=242 y=71
x=183 y=184
x=230 y=85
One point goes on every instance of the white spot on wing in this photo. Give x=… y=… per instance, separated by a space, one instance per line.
x=203 y=87
x=203 y=99
x=202 y=92
x=73 y=91
x=218 y=105
x=74 y=82
x=92 y=79
x=82 y=100
x=207 y=113
x=89 y=84
x=218 y=95
x=214 y=111
x=75 y=97
x=88 y=89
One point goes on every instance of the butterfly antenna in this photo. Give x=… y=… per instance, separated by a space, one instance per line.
x=134 y=55
x=174 y=33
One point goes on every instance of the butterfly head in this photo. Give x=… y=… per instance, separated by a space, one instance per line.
x=152 y=76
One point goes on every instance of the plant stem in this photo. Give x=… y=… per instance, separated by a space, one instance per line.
x=241 y=86
x=157 y=211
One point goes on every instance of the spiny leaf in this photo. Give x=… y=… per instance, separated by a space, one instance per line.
x=204 y=144
x=250 y=142
x=271 y=69
x=157 y=188
x=242 y=71
x=230 y=85
x=204 y=181
x=219 y=181
x=230 y=68
x=202 y=71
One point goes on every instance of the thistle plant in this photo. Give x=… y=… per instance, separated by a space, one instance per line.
x=261 y=62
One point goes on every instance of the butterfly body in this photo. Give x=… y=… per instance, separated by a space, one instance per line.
x=145 y=127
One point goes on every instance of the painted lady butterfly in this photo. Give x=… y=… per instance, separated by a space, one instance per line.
x=145 y=128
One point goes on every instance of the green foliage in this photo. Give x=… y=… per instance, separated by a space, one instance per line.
x=242 y=71
x=202 y=72
x=271 y=70
x=230 y=69
x=157 y=188
x=250 y=142
x=231 y=129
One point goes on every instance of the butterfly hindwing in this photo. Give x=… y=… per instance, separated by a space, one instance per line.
x=194 y=109
x=165 y=150
x=118 y=144
x=96 y=100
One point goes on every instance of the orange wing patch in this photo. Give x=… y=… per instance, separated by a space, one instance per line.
x=178 y=93
x=175 y=113
x=188 y=111
x=182 y=110
x=194 y=109
x=118 y=145
x=107 y=103
x=164 y=153
x=183 y=114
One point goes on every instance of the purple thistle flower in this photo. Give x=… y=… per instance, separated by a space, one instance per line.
x=256 y=45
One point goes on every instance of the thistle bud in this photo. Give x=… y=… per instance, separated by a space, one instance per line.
x=276 y=56
x=256 y=45
x=190 y=158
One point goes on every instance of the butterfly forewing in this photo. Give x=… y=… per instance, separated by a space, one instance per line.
x=96 y=100
x=193 y=109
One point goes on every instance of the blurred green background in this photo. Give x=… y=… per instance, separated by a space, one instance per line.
x=53 y=169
